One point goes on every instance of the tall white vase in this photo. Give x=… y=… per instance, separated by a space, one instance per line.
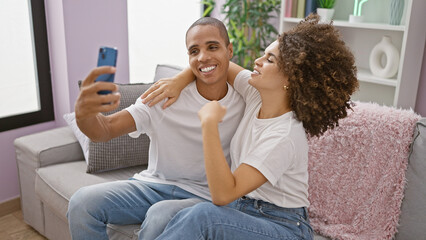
x=387 y=49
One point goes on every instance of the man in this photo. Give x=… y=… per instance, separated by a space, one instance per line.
x=176 y=166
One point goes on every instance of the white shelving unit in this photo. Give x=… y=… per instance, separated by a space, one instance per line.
x=409 y=38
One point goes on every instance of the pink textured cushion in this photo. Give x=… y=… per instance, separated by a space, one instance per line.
x=357 y=173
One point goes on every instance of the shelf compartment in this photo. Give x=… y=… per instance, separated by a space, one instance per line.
x=339 y=23
x=365 y=75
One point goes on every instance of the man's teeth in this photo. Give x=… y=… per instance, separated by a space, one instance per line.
x=208 y=69
x=256 y=72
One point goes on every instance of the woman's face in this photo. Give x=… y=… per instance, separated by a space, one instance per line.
x=267 y=74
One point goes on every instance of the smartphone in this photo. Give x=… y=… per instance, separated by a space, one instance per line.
x=107 y=57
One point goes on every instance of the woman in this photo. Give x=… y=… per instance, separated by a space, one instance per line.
x=301 y=87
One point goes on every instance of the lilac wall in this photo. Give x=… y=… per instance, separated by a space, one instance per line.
x=89 y=25
x=76 y=29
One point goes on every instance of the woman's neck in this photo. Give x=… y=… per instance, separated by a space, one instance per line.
x=273 y=105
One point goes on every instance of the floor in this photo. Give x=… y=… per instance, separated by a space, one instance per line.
x=13 y=227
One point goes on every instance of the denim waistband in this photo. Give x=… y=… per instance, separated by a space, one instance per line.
x=301 y=211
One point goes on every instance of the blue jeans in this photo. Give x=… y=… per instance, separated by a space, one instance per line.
x=243 y=219
x=125 y=202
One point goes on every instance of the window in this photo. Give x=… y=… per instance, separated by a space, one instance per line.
x=26 y=91
x=157 y=34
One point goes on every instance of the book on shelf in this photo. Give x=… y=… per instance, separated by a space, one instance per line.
x=288 y=8
x=310 y=7
x=301 y=8
x=294 y=8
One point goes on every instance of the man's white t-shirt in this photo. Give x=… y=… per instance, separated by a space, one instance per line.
x=277 y=147
x=176 y=148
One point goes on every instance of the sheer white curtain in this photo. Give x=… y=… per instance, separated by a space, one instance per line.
x=18 y=81
x=157 y=34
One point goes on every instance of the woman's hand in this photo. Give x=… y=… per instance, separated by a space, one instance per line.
x=164 y=88
x=168 y=88
x=212 y=112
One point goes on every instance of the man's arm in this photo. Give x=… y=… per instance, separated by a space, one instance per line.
x=90 y=104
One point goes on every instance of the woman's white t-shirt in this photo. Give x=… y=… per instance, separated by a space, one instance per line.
x=277 y=147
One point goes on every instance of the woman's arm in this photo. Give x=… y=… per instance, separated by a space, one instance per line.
x=168 y=88
x=171 y=87
x=224 y=185
x=233 y=71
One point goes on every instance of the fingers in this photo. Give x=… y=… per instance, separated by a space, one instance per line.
x=159 y=89
x=88 y=105
x=169 y=102
x=108 y=99
x=146 y=95
x=157 y=99
x=154 y=91
x=109 y=106
x=96 y=72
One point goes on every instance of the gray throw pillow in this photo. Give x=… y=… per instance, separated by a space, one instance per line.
x=166 y=71
x=412 y=222
x=122 y=151
x=125 y=151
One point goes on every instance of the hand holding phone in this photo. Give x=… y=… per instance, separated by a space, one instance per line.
x=107 y=57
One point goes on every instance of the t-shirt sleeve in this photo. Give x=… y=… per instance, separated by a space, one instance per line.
x=142 y=117
x=271 y=157
x=242 y=86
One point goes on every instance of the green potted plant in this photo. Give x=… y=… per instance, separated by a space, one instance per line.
x=249 y=28
x=325 y=10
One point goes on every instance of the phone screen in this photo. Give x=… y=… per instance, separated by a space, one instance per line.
x=107 y=57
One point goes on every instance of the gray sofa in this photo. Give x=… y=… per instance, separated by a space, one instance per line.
x=51 y=168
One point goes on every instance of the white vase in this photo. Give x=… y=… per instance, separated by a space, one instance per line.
x=326 y=14
x=387 y=49
x=356 y=19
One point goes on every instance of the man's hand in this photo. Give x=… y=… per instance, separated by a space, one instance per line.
x=89 y=103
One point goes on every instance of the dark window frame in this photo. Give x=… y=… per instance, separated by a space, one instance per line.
x=46 y=112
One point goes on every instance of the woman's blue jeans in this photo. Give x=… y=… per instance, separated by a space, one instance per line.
x=126 y=202
x=243 y=219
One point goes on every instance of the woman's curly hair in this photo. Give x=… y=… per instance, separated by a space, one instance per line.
x=321 y=73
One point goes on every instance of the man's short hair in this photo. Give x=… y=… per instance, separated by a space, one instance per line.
x=212 y=22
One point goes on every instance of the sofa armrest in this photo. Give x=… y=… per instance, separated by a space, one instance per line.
x=49 y=147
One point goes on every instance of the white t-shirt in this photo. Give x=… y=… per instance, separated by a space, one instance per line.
x=277 y=147
x=176 y=148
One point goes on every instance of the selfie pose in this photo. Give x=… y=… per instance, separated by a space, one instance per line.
x=300 y=87
x=175 y=177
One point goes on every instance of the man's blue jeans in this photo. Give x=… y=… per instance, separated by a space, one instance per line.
x=243 y=219
x=132 y=201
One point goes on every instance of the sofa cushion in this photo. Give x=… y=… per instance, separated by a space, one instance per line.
x=82 y=139
x=119 y=152
x=122 y=151
x=166 y=71
x=357 y=173
x=55 y=184
x=413 y=218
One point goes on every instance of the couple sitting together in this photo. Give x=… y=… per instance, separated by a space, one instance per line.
x=228 y=159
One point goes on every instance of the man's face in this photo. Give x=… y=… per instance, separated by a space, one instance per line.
x=208 y=54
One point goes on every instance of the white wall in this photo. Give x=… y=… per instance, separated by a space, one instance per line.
x=157 y=34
